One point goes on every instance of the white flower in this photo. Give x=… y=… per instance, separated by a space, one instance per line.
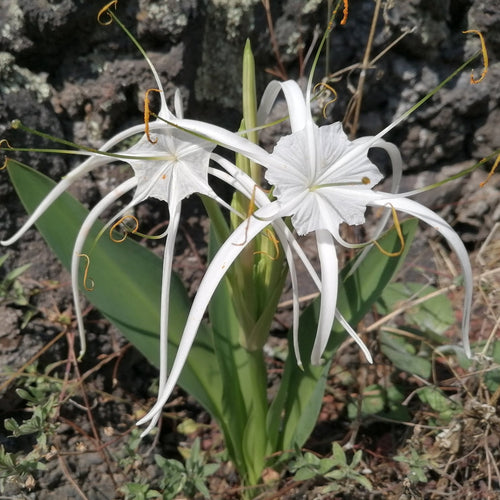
x=321 y=179
x=169 y=164
x=321 y=197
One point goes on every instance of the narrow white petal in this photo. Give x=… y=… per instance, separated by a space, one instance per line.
x=429 y=217
x=88 y=165
x=221 y=262
x=267 y=101
x=179 y=110
x=168 y=255
x=164 y=314
x=83 y=233
x=298 y=109
x=354 y=335
x=56 y=191
x=285 y=240
x=329 y=279
x=227 y=139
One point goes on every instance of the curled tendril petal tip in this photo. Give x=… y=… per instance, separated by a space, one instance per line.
x=127 y=231
x=4 y=144
x=88 y=283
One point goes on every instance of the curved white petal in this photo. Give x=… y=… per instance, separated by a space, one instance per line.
x=287 y=240
x=168 y=256
x=221 y=262
x=329 y=288
x=83 y=233
x=397 y=170
x=411 y=207
x=227 y=139
x=179 y=110
x=88 y=165
x=267 y=101
x=297 y=107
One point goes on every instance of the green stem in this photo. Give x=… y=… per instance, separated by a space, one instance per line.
x=253 y=376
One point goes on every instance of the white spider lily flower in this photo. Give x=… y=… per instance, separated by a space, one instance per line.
x=169 y=164
x=223 y=259
x=322 y=179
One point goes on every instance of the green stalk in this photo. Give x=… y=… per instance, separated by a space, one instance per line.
x=255 y=440
x=250 y=106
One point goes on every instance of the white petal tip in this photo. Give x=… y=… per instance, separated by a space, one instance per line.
x=317 y=361
x=153 y=420
x=142 y=421
x=368 y=355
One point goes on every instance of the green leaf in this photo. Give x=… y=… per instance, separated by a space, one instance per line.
x=339 y=454
x=442 y=405
x=403 y=354
x=243 y=375
x=373 y=401
x=492 y=376
x=293 y=413
x=127 y=285
x=434 y=315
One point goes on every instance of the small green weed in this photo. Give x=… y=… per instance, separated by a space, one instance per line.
x=188 y=478
x=339 y=474
x=13 y=292
x=41 y=396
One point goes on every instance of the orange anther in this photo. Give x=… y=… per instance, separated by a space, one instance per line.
x=334 y=13
x=492 y=171
x=105 y=10
x=147 y=114
x=332 y=90
x=89 y=287
x=485 y=57
x=346 y=12
x=127 y=230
